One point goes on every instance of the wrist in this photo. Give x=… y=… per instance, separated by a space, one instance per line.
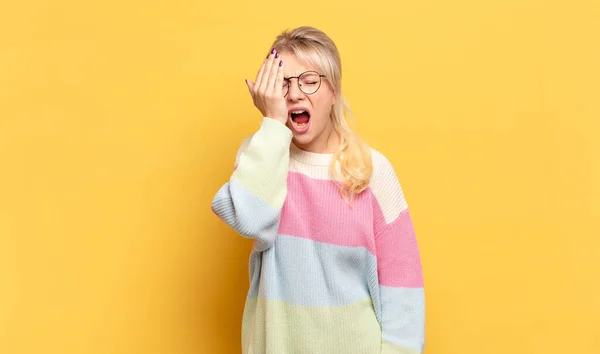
x=276 y=128
x=282 y=120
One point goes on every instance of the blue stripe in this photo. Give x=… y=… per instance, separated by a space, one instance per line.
x=246 y=213
x=306 y=272
x=403 y=316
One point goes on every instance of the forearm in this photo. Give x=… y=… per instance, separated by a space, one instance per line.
x=251 y=201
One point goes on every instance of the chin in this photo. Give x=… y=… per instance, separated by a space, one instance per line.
x=302 y=139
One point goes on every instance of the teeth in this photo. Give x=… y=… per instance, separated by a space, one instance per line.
x=298 y=112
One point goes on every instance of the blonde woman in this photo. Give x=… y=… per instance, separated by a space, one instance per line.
x=335 y=266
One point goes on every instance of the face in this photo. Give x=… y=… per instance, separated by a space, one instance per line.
x=308 y=114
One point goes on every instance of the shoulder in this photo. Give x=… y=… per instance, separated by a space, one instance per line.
x=380 y=162
x=384 y=172
x=385 y=186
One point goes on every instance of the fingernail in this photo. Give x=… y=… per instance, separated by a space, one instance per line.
x=277 y=55
x=273 y=51
x=281 y=63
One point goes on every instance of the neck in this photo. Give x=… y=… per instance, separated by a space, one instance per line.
x=326 y=143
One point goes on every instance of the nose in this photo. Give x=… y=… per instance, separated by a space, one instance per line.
x=295 y=94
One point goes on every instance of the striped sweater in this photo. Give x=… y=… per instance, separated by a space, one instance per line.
x=324 y=277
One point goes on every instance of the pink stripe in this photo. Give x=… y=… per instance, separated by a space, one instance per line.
x=399 y=262
x=315 y=210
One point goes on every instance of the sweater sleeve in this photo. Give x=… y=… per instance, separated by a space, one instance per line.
x=401 y=290
x=251 y=201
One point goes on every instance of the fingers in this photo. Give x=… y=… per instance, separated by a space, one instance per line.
x=259 y=75
x=261 y=71
x=269 y=78
x=266 y=91
x=273 y=74
x=262 y=87
x=250 y=85
x=279 y=80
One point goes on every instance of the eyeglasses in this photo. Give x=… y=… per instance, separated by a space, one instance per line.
x=308 y=82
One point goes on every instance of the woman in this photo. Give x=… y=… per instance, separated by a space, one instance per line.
x=335 y=266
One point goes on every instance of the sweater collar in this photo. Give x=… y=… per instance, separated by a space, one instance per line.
x=309 y=158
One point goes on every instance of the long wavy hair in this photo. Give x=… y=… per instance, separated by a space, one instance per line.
x=351 y=165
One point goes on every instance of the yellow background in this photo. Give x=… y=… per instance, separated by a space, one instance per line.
x=120 y=120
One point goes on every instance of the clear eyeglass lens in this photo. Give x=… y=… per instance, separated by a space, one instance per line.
x=309 y=83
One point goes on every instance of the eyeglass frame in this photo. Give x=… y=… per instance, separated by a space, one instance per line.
x=289 y=83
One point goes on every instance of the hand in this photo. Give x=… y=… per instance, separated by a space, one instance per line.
x=266 y=92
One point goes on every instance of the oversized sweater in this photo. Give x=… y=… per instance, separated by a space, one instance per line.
x=325 y=277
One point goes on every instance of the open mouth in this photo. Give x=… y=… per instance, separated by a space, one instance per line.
x=300 y=119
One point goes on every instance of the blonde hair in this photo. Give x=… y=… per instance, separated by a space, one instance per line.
x=351 y=165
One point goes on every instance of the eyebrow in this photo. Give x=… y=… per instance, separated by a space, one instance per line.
x=295 y=76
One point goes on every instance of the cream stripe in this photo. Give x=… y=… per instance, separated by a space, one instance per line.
x=386 y=188
x=312 y=171
x=388 y=348
x=264 y=164
x=276 y=327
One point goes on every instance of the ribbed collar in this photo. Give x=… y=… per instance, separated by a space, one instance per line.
x=309 y=158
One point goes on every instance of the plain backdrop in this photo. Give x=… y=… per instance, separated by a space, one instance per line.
x=119 y=121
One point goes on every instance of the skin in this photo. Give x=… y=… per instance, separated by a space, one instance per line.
x=268 y=98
